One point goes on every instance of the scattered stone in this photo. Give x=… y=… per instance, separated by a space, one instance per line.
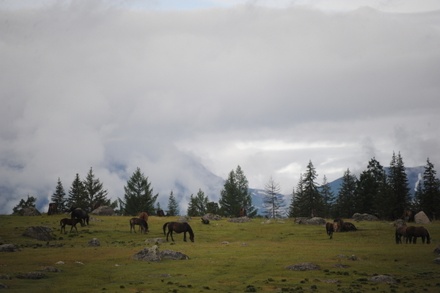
x=29 y=211
x=94 y=242
x=310 y=221
x=421 y=218
x=341 y=266
x=155 y=241
x=225 y=242
x=437 y=249
x=383 y=279
x=32 y=275
x=3 y=286
x=59 y=262
x=5 y=277
x=250 y=288
x=40 y=233
x=437 y=260
x=103 y=211
x=364 y=217
x=8 y=248
x=210 y=216
x=239 y=220
x=79 y=263
x=305 y=266
x=154 y=255
x=51 y=269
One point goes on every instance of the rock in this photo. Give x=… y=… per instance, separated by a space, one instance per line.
x=310 y=221
x=30 y=211
x=240 y=220
x=8 y=248
x=103 y=211
x=210 y=216
x=421 y=218
x=437 y=249
x=305 y=266
x=364 y=217
x=51 y=269
x=39 y=233
x=153 y=254
x=155 y=240
x=32 y=275
x=383 y=279
x=94 y=242
x=437 y=260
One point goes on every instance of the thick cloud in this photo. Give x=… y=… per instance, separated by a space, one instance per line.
x=115 y=88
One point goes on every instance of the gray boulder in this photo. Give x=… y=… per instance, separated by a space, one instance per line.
x=421 y=218
x=39 y=232
x=305 y=266
x=94 y=242
x=8 y=248
x=311 y=221
x=103 y=211
x=153 y=254
x=364 y=217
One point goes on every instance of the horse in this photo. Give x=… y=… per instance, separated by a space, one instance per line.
x=70 y=222
x=401 y=232
x=242 y=213
x=137 y=221
x=413 y=232
x=143 y=216
x=341 y=226
x=178 y=228
x=78 y=213
x=409 y=215
x=330 y=229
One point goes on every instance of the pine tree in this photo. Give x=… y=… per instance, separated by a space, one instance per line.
x=173 y=206
x=95 y=194
x=399 y=200
x=373 y=189
x=345 y=204
x=273 y=201
x=309 y=201
x=28 y=203
x=77 y=195
x=328 y=198
x=138 y=195
x=235 y=195
x=429 y=195
x=296 y=203
x=58 y=197
x=198 y=204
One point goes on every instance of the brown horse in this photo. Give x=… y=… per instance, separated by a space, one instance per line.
x=341 y=226
x=141 y=222
x=330 y=229
x=401 y=232
x=143 y=216
x=178 y=228
x=413 y=232
x=70 y=222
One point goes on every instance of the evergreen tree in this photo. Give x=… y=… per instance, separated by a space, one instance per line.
x=77 y=195
x=429 y=195
x=95 y=194
x=235 y=195
x=212 y=208
x=295 y=204
x=309 y=201
x=197 y=205
x=328 y=198
x=372 y=192
x=345 y=204
x=28 y=203
x=58 y=197
x=273 y=201
x=173 y=206
x=138 y=195
x=399 y=201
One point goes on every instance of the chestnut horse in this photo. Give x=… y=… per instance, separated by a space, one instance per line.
x=70 y=222
x=142 y=224
x=413 y=232
x=401 y=232
x=330 y=229
x=178 y=228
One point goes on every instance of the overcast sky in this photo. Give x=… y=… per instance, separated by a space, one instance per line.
x=267 y=85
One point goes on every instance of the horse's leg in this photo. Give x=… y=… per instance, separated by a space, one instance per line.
x=184 y=236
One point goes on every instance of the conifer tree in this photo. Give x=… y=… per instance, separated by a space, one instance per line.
x=235 y=195
x=173 y=206
x=95 y=193
x=345 y=204
x=309 y=201
x=77 y=194
x=328 y=198
x=28 y=203
x=58 y=197
x=295 y=204
x=197 y=205
x=399 y=201
x=273 y=201
x=429 y=195
x=138 y=195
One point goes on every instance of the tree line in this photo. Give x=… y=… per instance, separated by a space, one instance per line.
x=376 y=191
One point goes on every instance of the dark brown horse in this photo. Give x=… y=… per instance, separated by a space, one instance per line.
x=70 y=222
x=178 y=228
x=329 y=229
x=141 y=222
x=401 y=232
x=143 y=216
x=412 y=233
x=341 y=226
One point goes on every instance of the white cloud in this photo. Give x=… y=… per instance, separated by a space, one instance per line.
x=104 y=86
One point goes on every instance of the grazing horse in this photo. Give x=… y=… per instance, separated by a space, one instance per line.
x=341 y=226
x=413 y=232
x=82 y=215
x=143 y=216
x=143 y=225
x=178 y=228
x=70 y=222
x=401 y=232
x=330 y=229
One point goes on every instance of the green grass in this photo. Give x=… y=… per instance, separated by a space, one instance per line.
x=225 y=257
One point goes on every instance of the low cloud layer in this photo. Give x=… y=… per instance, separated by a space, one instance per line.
x=114 y=88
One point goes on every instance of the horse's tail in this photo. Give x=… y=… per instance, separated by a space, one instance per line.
x=428 y=237
x=397 y=237
x=164 y=227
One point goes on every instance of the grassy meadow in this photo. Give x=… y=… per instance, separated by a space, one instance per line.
x=225 y=257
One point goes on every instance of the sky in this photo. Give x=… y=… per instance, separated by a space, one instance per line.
x=177 y=89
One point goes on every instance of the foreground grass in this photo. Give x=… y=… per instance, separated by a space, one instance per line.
x=225 y=257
